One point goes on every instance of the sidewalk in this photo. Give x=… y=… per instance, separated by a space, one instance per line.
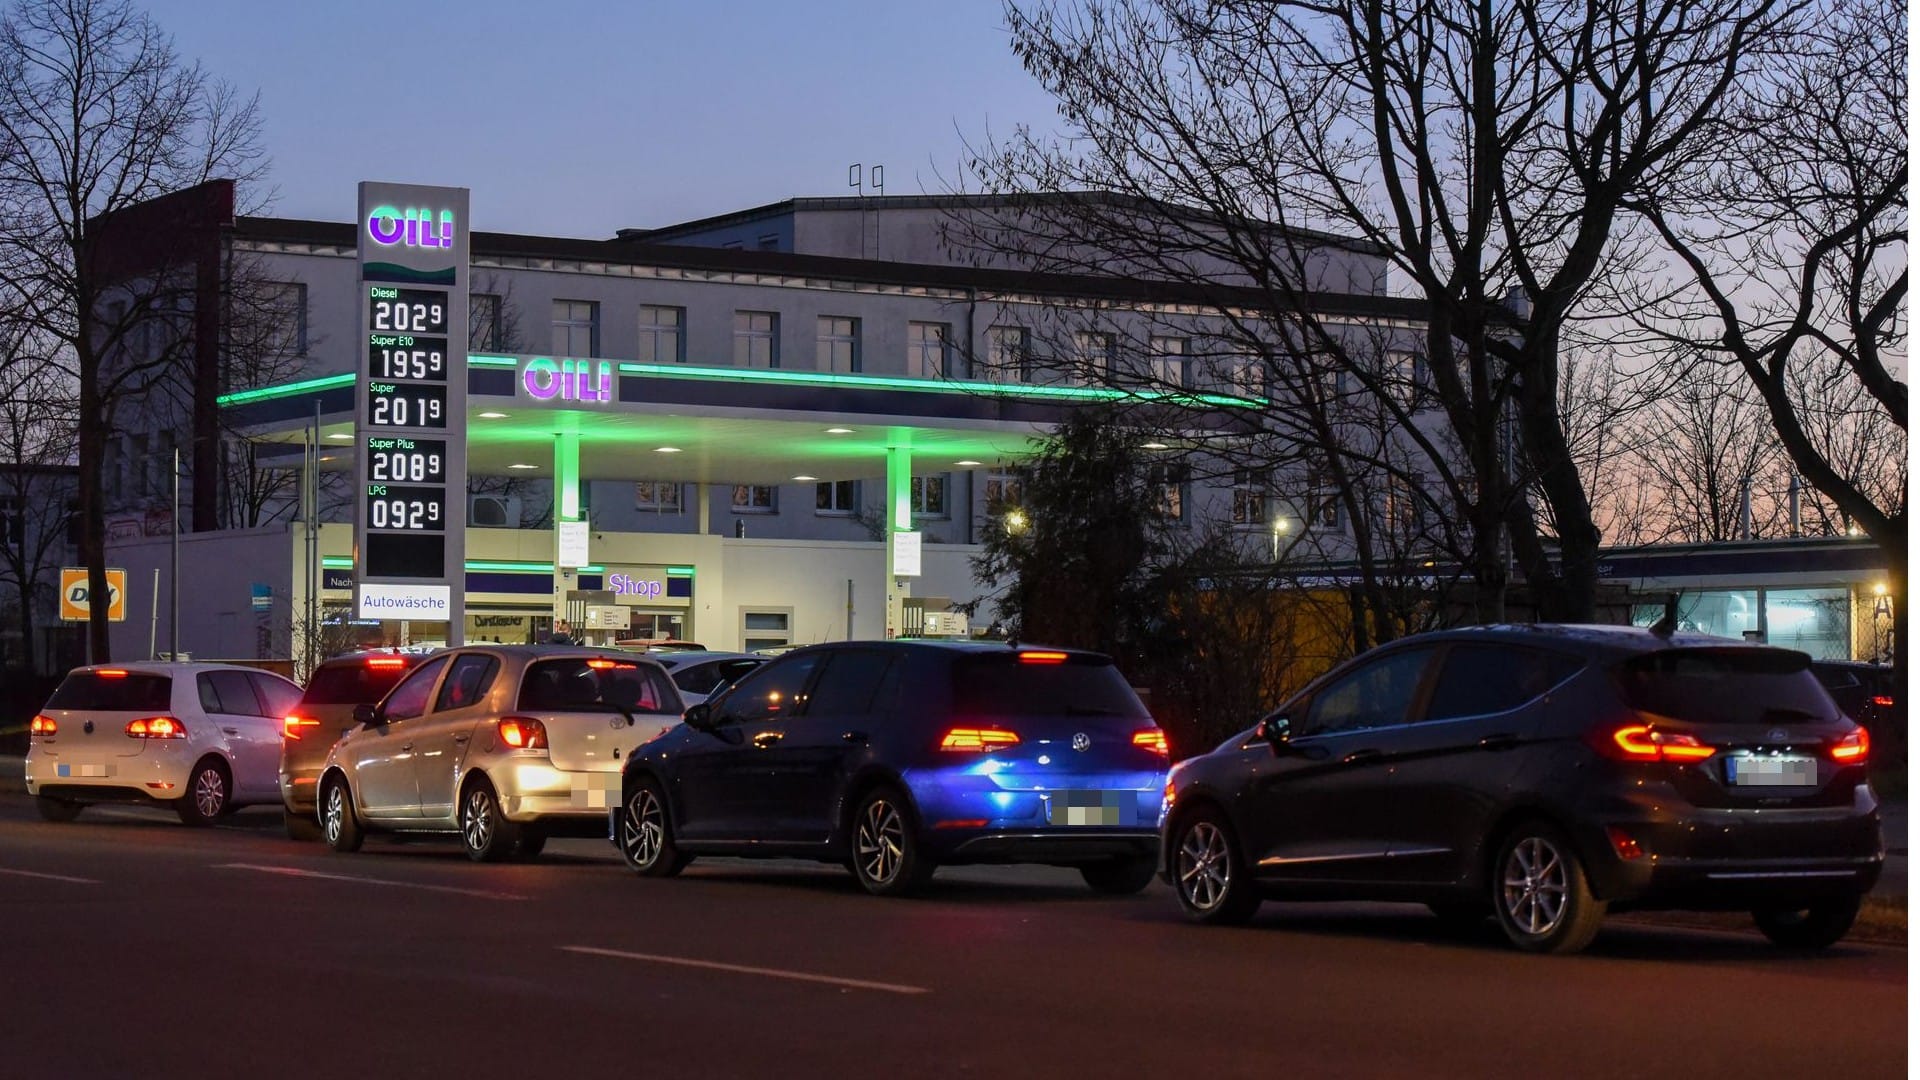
x=1893 y=827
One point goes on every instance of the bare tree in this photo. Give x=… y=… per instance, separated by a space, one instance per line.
x=36 y=489
x=1480 y=153
x=98 y=113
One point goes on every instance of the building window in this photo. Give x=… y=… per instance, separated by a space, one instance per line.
x=1250 y=497
x=1167 y=360
x=661 y=341
x=836 y=498
x=754 y=499
x=1410 y=381
x=928 y=349
x=1246 y=376
x=286 y=313
x=765 y=628
x=576 y=328
x=1322 y=501
x=756 y=339
x=660 y=496
x=1406 y=511
x=1094 y=352
x=1009 y=354
x=1169 y=485
x=929 y=496
x=1003 y=492
x=839 y=344
x=483 y=322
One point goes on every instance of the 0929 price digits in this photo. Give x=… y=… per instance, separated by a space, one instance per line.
x=405 y=509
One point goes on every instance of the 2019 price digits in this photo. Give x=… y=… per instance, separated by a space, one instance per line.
x=409 y=406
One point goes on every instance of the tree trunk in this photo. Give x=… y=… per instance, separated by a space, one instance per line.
x=93 y=515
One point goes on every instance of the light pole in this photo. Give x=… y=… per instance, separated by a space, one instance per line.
x=1279 y=526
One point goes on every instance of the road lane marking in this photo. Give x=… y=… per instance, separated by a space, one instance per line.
x=291 y=871
x=50 y=877
x=743 y=969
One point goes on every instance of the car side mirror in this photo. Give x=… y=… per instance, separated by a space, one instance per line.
x=699 y=717
x=1278 y=732
x=366 y=715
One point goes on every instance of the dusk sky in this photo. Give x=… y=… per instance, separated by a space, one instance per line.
x=575 y=118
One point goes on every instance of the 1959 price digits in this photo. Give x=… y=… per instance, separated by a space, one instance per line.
x=400 y=357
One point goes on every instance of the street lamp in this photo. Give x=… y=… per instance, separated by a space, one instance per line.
x=1279 y=526
x=1016 y=520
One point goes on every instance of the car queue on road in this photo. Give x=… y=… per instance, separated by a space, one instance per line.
x=1540 y=776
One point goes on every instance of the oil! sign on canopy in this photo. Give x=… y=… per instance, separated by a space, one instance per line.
x=412 y=227
x=545 y=378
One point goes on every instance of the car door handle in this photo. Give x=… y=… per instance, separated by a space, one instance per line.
x=1501 y=741
x=855 y=737
x=766 y=739
x=1359 y=756
x=231 y=730
x=459 y=738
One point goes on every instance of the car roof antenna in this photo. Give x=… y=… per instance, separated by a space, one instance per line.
x=1670 y=619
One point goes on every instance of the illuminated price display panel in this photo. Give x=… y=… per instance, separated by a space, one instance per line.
x=410 y=416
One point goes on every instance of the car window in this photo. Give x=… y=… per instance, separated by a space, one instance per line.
x=1481 y=680
x=467 y=682
x=776 y=690
x=596 y=684
x=850 y=684
x=1000 y=685
x=229 y=692
x=1725 y=686
x=279 y=696
x=1375 y=694
x=355 y=682
x=697 y=678
x=409 y=699
x=112 y=690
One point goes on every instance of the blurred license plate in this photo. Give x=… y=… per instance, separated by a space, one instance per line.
x=84 y=770
x=1785 y=770
x=1087 y=808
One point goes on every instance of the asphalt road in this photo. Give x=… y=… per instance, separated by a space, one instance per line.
x=135 y=946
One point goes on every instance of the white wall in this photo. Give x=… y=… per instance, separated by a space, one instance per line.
x=217 y=572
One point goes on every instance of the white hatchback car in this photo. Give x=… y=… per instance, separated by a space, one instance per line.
x=201 y=738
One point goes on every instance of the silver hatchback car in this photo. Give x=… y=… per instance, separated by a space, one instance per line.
x=504 y=745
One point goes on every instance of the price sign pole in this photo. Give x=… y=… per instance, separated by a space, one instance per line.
x=410 y=408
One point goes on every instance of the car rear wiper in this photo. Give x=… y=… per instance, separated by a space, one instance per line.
x=1090 y=710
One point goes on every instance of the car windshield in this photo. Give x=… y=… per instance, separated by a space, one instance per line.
x=998 y=685
x=1726 y=686
x=588 y=684
x=355 y=683
x=114 y=691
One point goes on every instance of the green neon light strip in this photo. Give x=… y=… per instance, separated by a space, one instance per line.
x=679 y=571
x=492 y=361
x=243 y=397
x=336 y=563
x=878 y=382
x=332 y=562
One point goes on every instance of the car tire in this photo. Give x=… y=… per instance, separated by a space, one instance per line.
x=209 y=794
x=1209 y=877
x=1120 y=877
x=56 y=810
x=338 y=825
x=646 y=834
x=302 y=827
x=532 y=841
x=884 y=845
x=1809 y=928
x=1540 y=894
x=484 y=831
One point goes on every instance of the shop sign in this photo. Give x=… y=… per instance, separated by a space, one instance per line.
x=637 y=588
x=586 y=381
x=432 y=603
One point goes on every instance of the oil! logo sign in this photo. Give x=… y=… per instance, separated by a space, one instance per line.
x=75 y=603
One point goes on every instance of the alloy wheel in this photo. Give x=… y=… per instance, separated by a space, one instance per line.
x=644 y=829
x=209 y=792
x=336 y=812
x=1204 y=866
x=476 y=825
x=1533 y=886
x=880 y=842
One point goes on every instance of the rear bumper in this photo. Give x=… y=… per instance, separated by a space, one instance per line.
x=159 y=772
x=534 y=791
x=101 y=793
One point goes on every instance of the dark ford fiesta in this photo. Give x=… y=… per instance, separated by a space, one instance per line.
x=1542 y=775
x=895 y=757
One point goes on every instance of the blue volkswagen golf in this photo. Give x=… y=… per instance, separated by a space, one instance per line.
x=896 y=757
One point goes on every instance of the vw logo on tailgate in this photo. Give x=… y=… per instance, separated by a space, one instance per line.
x=1080 y=740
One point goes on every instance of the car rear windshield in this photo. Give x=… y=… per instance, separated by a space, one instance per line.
x=1002 y=686
x=356 y=683
x=1726 y=686
x=125 y=691
x=582 y=684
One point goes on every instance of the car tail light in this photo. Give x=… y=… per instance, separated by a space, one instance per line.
x=522 y=733
x=968 y=739
x=43 y=725
x=1852 y=747
x=1036 y=656
x=386 y=661
x=1885 y=701
x=1643 y=742
x=110 y=673
x=293 y=724
x=1624 y=845
x=156 y=727
x=605 y=665
x=1151 y=739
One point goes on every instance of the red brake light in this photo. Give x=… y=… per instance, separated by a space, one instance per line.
x=1885 y=701
x=1151 y=739
x=293 y=724
x=1641 y=742
x=1852 y=747
x=603 y=665
x=156 y=727
x=1036 y=656
x=43 y=725
x=110 y=673
x=966 y=739
x=522 y=733
x=387 y=661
